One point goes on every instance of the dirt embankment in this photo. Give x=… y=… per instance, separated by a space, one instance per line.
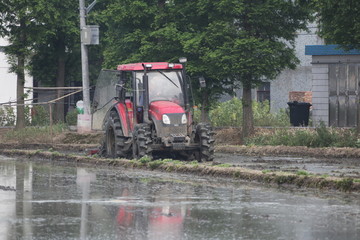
x=227 y=141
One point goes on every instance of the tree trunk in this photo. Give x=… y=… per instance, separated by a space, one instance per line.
x=205 y=108
x=358 y=118
x=248 y=118
x=20 y=80
x=60 y=81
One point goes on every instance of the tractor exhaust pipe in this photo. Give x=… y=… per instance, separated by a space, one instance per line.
x=146 y=95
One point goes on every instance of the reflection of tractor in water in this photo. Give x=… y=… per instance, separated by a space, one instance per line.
x=146 y=111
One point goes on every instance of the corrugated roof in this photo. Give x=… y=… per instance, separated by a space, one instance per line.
x=323 y=50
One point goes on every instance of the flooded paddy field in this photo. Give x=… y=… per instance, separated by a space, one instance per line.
x=52 y=200
x=339 y=167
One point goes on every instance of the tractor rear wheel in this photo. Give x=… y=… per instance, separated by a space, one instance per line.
x=205 y=138
x=116 y=145
x=142 y=141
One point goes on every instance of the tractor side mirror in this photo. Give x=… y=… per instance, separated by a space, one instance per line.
x=202 y=82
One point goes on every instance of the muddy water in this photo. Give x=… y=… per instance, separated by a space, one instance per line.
x=343 y=167
x=43 y=200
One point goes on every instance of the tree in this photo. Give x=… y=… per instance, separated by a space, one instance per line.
x=251 y=41
x=227 y=42
x=339 y=22
x=18 y=24
x=58 y=46
x=138 y=31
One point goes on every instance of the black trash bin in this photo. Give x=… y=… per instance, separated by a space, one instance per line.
x=299 y=113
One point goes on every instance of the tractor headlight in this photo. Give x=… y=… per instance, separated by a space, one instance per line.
x=183 y=119
x=165 y=119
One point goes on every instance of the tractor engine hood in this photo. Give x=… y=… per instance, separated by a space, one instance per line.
x=158 y=108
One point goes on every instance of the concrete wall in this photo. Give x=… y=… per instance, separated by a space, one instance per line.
x=320 y=94
x=299 y=79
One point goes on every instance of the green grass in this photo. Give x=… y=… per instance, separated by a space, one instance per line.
x=223 y=165
x=229 y=114
x=319 y=137
x=34 y=134
x=302 y=173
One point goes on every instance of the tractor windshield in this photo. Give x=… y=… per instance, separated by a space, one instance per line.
x=165 y=86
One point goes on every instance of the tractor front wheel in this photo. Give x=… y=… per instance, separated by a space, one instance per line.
x=205 y=138
x=142 y=141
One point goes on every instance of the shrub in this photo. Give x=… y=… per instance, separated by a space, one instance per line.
x=229 y=114
x=39 y=116
x=71 y=117
x=7 y=116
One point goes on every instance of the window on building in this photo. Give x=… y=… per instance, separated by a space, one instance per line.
x=263 y=92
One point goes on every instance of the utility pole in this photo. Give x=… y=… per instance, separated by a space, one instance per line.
x=85 y=120
x=84 y=60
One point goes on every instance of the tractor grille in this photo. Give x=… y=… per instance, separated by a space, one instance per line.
x=168 y=130
x=175 y=118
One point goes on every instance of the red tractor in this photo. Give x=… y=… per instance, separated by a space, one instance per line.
x=147 y=111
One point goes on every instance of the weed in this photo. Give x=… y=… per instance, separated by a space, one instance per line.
x=178 y=162
x=229 y=114
x=55 y=154
x=34 y=134
x=237 y=174
x=320 y=137
x=345 y=184
x=194 y=163
x=302 y=173
x=266 y=171
x=285 y=179
x=145 y=159
x=224 y=165
x=167 y=160
x=155 y=164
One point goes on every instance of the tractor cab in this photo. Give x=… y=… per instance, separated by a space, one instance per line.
x=158 y=88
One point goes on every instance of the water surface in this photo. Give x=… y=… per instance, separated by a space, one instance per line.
x=44 y=200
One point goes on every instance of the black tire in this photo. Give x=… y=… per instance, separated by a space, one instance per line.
x=116 y=145
x=142 y=141
x=205 y=138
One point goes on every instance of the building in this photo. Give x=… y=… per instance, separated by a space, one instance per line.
x=335 y=85
x=8 y=80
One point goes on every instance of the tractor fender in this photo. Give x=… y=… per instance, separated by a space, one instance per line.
x=156 y=123
x=120 y=109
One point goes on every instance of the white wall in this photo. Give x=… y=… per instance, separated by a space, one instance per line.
x=8 y=80
x=299 y=79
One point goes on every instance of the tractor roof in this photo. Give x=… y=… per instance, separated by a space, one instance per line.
x=155 y=66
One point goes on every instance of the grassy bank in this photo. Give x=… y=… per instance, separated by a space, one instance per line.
x=318 y=137
x=297 y=180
